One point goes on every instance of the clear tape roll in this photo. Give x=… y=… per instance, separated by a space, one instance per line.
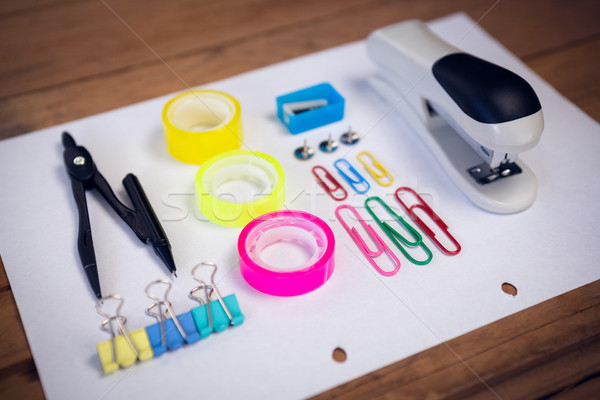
x=235 y=187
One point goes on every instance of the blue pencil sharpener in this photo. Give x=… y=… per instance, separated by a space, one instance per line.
x=310 y=108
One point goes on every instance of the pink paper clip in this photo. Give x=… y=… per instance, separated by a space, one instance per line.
x=337 y=187
x=441 y=224
x=379 y=243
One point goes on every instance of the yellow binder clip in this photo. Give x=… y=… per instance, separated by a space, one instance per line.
x=380 y=174
x=123 y=348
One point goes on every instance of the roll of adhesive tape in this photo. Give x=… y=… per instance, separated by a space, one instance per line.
x=200 y=124
x=286 y=253
x=237 y=186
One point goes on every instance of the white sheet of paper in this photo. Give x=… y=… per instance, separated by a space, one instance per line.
x=284 y=348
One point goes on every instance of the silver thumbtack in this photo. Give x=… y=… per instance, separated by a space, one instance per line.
x=329 y=145
x=350 y=137
x=304 y=152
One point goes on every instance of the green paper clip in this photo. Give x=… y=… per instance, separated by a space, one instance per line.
x=397 y=237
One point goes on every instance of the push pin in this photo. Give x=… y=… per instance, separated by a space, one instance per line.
x=350 y=137
x=304 y=152
x=329 y=145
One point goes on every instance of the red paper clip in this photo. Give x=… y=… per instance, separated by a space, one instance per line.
x=423 y=206
x=331 y=190
x=370 y=254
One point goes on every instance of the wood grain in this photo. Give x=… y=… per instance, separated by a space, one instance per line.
x=67 y=59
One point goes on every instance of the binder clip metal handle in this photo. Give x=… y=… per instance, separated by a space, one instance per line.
x=222 y=312
x=166 y=317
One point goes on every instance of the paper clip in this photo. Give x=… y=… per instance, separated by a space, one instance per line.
x=123 y=348
x=358 y=178
x=337 y=187
x=394 y=235
x=171 y=330
x=214 y=315
x=379 y=173
x=427 y=210
x=379 y=243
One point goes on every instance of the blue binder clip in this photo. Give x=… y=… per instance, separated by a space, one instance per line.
x=357 y=181
x=213 y=315
x=310 y=108
x=171 y=331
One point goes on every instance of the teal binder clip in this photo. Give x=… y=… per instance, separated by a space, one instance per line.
x=225 y=312
x=310 y=108
x=396 y=237
x=201 y=314
x=213 y=315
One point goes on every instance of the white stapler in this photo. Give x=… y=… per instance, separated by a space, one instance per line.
x=475 y=116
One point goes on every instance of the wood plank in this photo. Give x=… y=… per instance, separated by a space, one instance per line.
x=528 y=27
x=15 y=349
x=21 y=381
x=61 y=62
x=587 y=388
x=540 y=351
x=9 y=8
x=97 y=42
x=41 y=55
x=574 y=72
x=80 y=98
x=84 y=97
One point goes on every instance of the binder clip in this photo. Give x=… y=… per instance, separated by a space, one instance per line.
x=380 y=245
x=213 y=315
x=377 y=171
x=123 y=348
x=357 y=181
x=335 y=186
x=395 y=236
x=171 y=331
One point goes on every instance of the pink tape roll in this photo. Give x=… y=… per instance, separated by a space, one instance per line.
x=291 y=231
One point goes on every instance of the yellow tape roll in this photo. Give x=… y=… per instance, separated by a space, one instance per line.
x=200 y=124
x=235 y=187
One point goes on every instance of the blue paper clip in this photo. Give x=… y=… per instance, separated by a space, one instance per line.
x=171 y=331
x=397 y=237
x=214 y=315
x=358 y=179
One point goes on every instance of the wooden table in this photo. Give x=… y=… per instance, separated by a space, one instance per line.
x=66 y=59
